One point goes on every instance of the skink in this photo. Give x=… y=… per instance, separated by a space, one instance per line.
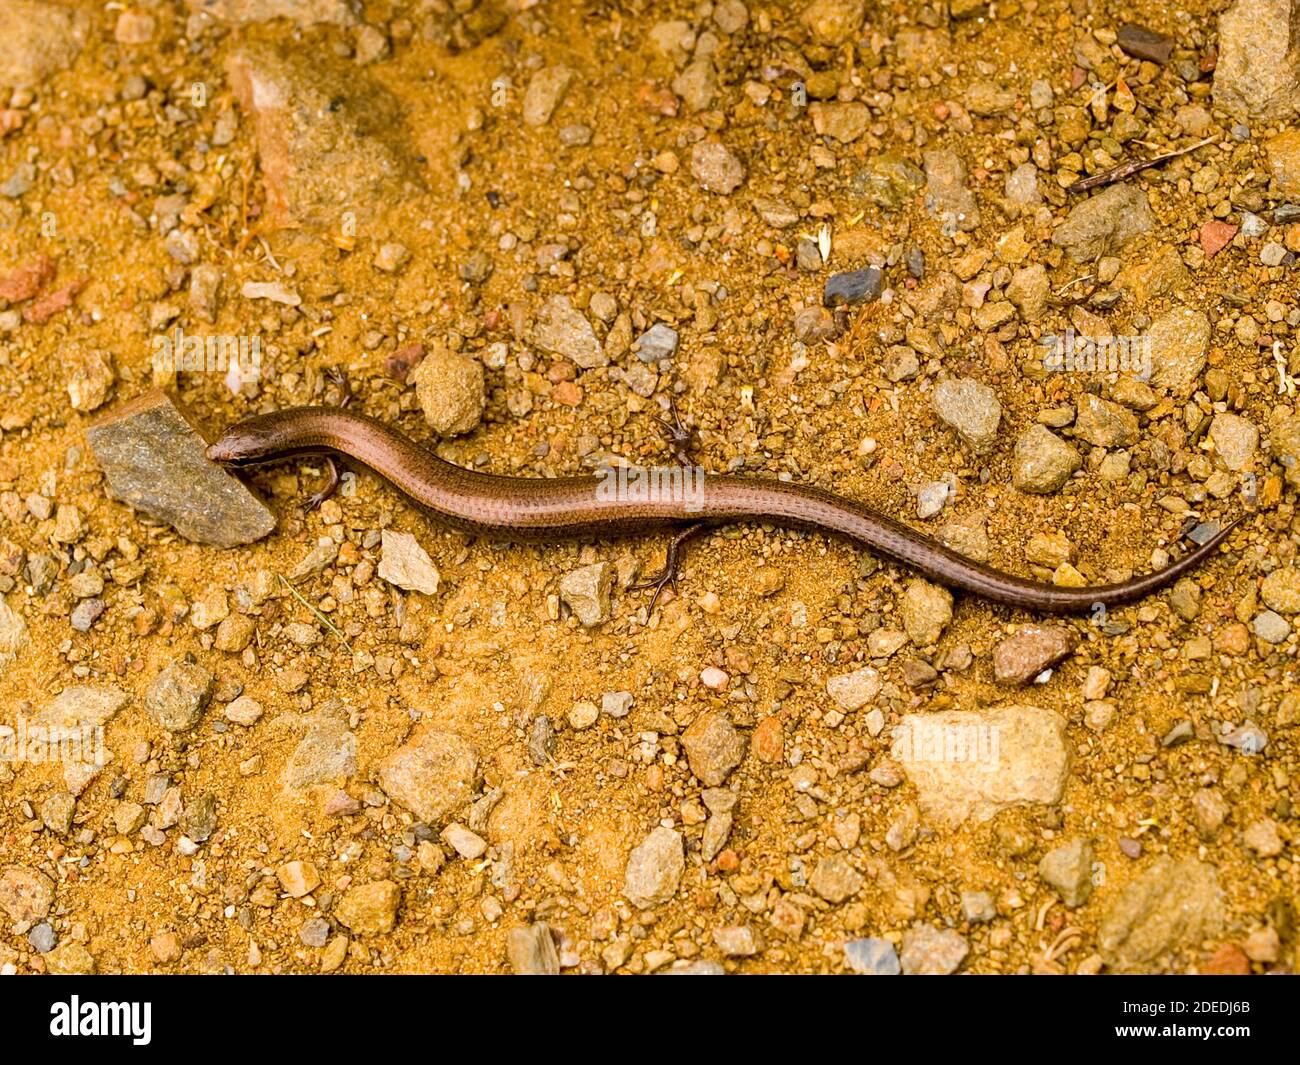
x=547 y=509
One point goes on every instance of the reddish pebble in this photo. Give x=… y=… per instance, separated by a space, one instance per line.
x=46 y=308
x=25 y=281
x=1228 y=960
x=568 y=393
x=657 y=100
x=728 y=861
x=1215 y=236
x=768 y=741
x=400 y=363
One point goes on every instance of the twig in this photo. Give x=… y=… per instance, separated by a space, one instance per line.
x=1133 y=166
x=318 y=615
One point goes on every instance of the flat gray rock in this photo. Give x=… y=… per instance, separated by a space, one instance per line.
x=153 y=458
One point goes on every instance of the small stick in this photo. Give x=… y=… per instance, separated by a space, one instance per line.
x=316 y=613
x=1133 y=166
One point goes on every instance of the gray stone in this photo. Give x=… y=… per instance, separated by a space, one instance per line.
x=179 y=694
x=586 y=592
x=872 y=957
x=1104 y=223
x=971 y=408
x=656 y=344
x=1042 y=461
x=654 y=869
x=564 y=330
x=154 y=460
x=1271 y=627
x=1068 y=870
x=853 y=286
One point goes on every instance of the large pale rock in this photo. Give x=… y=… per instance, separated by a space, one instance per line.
x=25 y=894
x=967 y=763
x=1104 y=223
x=404 y=563
x=154 y=459
x=330 y=139
x=83 y=706
x=564 y=330
x=13 y=635
x=1258 y=74
x=1173 y=904
x=433 y=776
x=451 y=389
x=40 y=39
x=1179 y=345
x=326 y=753
x=655 y=868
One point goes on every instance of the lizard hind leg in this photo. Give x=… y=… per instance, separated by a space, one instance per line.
x=667 y=577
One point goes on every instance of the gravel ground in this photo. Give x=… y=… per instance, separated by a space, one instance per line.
x=849 y=240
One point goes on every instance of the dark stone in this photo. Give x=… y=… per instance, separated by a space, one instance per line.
x=1142 y=43
x=856 y=286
